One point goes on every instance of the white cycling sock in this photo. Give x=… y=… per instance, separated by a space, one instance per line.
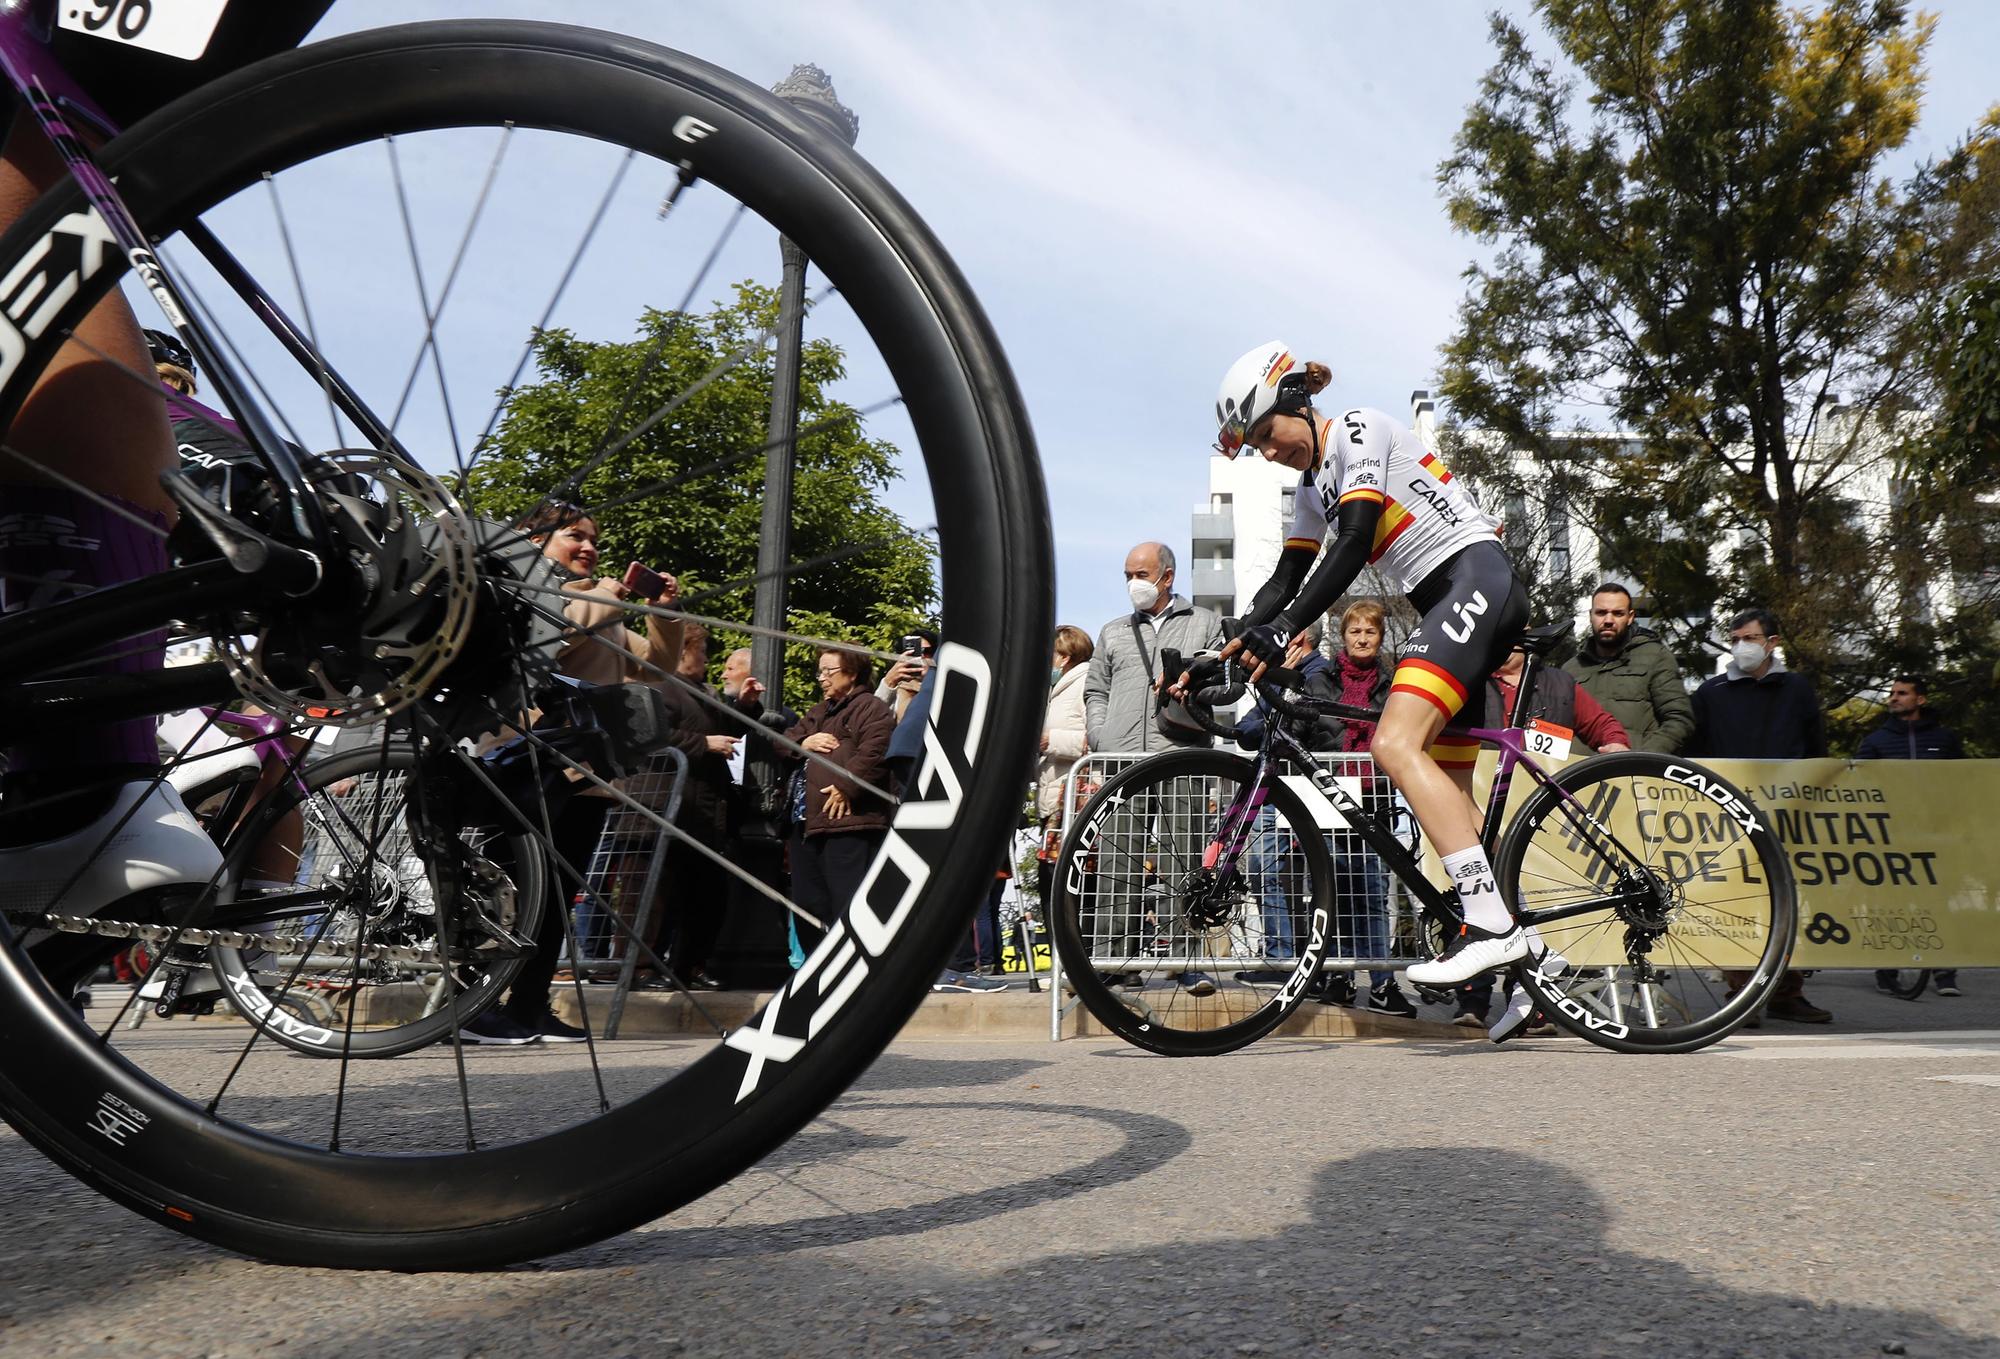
x=1478 y=894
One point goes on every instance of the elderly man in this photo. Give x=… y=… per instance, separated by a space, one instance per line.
x=1118 y=692
x=1119 y=702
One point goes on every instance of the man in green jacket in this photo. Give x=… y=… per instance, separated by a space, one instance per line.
x=1632 y=675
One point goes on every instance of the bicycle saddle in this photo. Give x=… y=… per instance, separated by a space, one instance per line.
x=1540 y=641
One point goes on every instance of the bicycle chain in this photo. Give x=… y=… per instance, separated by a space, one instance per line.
x=236 y=939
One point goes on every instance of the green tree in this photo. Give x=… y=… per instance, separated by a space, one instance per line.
x=1694 y=240
x=687 y=493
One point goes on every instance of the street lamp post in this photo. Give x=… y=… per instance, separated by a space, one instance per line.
x=753 y=948
x=808 y=90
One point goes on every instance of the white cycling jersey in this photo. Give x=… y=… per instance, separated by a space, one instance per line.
x=1426 y=516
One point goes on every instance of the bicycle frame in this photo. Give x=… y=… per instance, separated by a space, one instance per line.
x=70 y=119
x=1278 y=746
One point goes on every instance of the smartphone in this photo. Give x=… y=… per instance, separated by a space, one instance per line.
x=643 y=581
x=912 y=645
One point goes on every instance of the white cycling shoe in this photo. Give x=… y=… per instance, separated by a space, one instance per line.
x=1471 y=952
x=159 y=847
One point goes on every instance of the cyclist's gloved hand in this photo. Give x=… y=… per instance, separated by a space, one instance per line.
x=1264 y=644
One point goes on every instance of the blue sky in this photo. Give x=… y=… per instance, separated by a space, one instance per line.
x=1138 y=193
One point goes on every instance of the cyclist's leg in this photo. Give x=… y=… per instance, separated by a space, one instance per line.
x=1473 y=607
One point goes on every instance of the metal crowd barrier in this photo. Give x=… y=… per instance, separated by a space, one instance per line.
x=623 y=880
x=1374 y=923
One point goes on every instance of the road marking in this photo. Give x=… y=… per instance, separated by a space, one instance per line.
x=1863 y=1046
x=1967 y=1080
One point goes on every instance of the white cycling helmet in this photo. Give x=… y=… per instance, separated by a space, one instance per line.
x=1266 y=379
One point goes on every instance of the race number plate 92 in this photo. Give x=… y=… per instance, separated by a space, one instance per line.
x=1550 y=739
x=173 y=28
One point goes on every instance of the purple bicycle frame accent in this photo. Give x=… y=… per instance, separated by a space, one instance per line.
x=265 y=740
x=43 y=85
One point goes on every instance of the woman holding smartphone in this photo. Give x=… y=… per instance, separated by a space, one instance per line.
x=598 y=649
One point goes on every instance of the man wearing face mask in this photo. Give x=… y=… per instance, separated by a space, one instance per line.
x=1118 y=703
x=1758 y=710
x=1118 y=692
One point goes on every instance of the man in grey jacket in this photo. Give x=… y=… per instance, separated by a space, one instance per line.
x=1632 y=675
x=1131 y=915
x=1118 y=693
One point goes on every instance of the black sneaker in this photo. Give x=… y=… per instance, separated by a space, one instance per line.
x=553 y=1030
x=498 y=1030
x=1946 y=983
x=1334 y=988
x=1388 y=999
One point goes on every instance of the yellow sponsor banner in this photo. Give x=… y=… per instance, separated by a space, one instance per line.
x=1896 y=862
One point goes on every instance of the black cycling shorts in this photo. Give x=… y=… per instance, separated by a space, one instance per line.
x=129 y=84
x=1473 y=606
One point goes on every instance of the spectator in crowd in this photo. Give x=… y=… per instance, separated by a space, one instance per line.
x=1062 y=745
x=1632 y=675
x=1559 y=698
x=598 y=649
x=1909 y=732
x=1118 y=692
x=840 y=812
x=903 y=678
x=694 y=886
x=1756 y=709
x=1119 y=705
x=1361 y=675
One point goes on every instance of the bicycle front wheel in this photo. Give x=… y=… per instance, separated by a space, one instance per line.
x=1184 y=929
x=459 y=215
x=1664 y=901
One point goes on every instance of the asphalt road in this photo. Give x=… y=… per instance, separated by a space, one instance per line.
x=1793 y=1192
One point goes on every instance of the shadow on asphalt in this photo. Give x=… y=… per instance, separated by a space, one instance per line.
x=1381 y=1266
x=901 y=1071
x=1147 y=1143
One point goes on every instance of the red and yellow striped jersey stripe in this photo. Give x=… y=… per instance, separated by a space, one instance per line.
x=1431 y=682
x=1395 y=518
x=1437 y=469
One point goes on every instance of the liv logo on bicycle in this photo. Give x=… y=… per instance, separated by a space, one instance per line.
x=835 y=970
x=37 y=288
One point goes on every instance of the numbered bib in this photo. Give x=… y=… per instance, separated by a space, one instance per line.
x=173 y=28
x=1546 y=738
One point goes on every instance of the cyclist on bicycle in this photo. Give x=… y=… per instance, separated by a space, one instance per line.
x=1370 y=492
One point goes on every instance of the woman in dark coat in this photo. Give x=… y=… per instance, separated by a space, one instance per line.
x=842 y=820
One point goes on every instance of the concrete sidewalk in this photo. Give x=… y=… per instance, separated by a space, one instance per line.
x=1017 y=1013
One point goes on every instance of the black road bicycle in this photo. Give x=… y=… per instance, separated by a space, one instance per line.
x=1662 y=903
x=588 y=181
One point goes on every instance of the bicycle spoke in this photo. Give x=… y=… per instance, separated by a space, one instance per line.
x=432 y=315
x=305 y=308
x=508 y=388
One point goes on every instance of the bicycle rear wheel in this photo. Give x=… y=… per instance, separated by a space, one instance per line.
x=350 y=932
x=1906 y=983
x=1168 y=949
x=445 y=1159
x=1706 y=914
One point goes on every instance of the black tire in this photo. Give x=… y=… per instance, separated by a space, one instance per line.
x=1161 y=1015
x=1698 y=985
x=1909 y=982
x=272 y=1194
x=354 y=808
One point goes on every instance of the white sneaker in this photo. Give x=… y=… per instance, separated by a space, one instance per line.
x=160 y=845
x=1471 y=952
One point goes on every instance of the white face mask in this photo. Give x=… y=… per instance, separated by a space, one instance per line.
x=1748 y=655
x=1145 y=594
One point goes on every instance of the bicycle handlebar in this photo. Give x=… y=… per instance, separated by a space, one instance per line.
x=1205 y=693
